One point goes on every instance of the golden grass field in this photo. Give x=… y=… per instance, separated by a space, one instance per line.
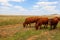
x=11 y=28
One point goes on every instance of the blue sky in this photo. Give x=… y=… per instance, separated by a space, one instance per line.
x=29 y=7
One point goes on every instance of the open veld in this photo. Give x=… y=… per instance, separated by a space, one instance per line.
x=11 y=28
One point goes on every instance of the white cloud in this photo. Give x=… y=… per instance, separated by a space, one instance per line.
x=20 y=8
x=18 y=0
x=44 y=7
x=12 y=0
x=35 y=6
x=6 y=4
x=4 y=1
x=40 y=5
x=8 y=8
x=43 y=0
x=13 y=10
x=49 y=7
x=45 y=3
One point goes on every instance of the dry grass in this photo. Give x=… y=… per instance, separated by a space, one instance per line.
x=11 y=28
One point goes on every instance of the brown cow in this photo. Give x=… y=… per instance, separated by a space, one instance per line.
x=53 y=22
x=30 y=20
x=41 y=21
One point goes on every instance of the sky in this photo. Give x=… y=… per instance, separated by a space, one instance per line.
x=29 y=7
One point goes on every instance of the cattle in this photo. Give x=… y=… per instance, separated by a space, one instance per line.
x=41 y=21
x=30 y=20
x=53 y=22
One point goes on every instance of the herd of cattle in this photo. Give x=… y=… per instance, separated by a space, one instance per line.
x=39 y=21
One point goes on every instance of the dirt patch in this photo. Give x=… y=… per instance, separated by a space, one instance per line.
x=33 y=37
x=46 y=34
x=9 y=30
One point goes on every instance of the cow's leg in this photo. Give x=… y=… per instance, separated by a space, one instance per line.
x=36 y=26
x=45 y=26
x=40 y=26
x=51 y=27
x=54 y=27
x=30 y=25
x=24 y=25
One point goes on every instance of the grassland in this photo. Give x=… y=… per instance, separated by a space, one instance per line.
x=11 y=28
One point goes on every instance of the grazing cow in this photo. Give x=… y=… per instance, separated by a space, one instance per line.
x=53 y=22
x=42 y=21
x=30 y=20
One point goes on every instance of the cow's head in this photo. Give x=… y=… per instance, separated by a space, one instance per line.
x=58 y=18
